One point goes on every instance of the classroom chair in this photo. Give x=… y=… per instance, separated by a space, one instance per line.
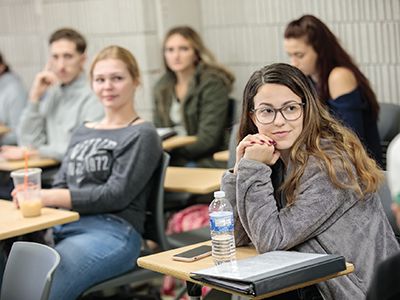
x=232 y=147
x=233 y=111
x=388 y=125
x=29 y=272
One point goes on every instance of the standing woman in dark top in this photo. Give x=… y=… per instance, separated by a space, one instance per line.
x=192 y=97
x=105 y=176
x=339 y=83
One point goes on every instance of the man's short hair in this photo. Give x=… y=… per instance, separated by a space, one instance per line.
x=70 y=35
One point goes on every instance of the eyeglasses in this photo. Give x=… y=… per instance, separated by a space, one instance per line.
x=290 y=112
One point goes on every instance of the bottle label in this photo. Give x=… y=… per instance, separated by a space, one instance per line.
x=221 y=223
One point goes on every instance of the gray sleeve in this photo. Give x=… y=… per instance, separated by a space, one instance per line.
x=131 y=171
x=55 y=151
x=91 y=111
x=32 y=126
x=15 y=105
x=228 y=185
x=318 y=205
x=60 y=181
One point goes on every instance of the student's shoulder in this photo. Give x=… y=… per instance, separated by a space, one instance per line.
x=148 y=135
x=146 y=128
x=210 y=74
x=341 y=81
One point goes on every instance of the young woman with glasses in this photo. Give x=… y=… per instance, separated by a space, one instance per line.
x=192 y=97
x=339 y=83
x=304 y=182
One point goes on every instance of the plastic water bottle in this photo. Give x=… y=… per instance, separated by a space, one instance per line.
x=221 y=224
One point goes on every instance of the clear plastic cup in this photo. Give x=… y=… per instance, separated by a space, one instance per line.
x=28 y=191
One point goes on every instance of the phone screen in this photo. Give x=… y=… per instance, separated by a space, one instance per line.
x=193 y=254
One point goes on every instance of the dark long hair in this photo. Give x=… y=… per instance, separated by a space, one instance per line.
x=343 y=150
x=330 y=55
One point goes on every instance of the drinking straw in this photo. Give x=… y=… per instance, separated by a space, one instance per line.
x=26 y=170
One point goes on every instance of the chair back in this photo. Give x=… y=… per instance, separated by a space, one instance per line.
x=389 y=121
x=386 y=199
x=233 y=114
x=29 y=272
x=388 y=126
x=154 y=224
x=232 y=146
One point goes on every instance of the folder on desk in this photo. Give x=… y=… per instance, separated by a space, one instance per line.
x=271 y=271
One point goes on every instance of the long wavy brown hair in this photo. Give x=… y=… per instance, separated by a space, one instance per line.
x=341 y=150
x=330 y=55
x=204 y=55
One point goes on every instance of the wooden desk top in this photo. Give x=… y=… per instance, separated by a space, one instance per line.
x=178 y=141
x=38 y=162
x=4 y=129
x=12 y=223
x=192 y=180
x=221 y=155
x=163 y=263
x=33 y=162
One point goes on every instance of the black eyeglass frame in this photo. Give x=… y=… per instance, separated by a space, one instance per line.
x=280 y=110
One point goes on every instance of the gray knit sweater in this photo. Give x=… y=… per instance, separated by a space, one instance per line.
x=324 y=219
x=109 y=171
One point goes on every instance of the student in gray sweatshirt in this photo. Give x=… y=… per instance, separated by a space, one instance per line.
x=13 y=96
x=60 y=99
x=304 y=182
x=105 y=176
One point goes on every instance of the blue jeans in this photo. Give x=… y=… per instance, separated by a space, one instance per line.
x=92 y=249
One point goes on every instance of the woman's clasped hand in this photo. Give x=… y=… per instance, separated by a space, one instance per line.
x=258 y=147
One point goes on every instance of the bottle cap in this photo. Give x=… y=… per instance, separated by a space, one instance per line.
x=219 y=194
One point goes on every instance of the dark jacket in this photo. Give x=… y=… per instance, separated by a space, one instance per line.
x=204 y=114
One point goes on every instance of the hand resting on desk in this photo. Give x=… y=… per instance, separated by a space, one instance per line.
x=16 y=153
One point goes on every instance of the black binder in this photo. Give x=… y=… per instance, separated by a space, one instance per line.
x=271 y=271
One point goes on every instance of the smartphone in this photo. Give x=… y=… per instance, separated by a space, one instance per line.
x=193 y=254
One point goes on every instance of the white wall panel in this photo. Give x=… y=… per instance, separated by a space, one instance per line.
x=24 y=31
x=396 y=42
x=244 y=34
x=372 y=46
x=368 y=29
x=396 y=82
x=393 y=81
x=395 y=10
x=361 y=41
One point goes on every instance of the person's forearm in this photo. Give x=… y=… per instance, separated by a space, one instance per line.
x=56 y=198
x=34 y=97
